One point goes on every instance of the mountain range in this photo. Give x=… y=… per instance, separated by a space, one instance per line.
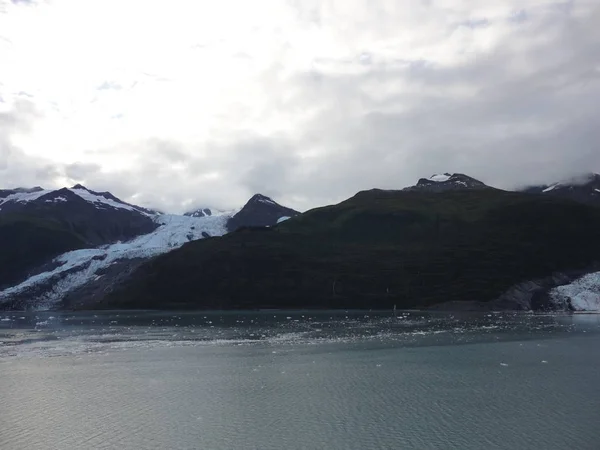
x=448 y=241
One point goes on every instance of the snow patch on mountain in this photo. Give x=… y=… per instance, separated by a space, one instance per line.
x=81 y=266
x=267 y=200
x=56 y=200
x=440 y=178
x=582 y=294
x=283 y=219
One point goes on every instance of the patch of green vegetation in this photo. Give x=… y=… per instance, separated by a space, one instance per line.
x=374 y=250
x=27 y=242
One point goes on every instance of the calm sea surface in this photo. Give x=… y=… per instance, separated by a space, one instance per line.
x=299 y=380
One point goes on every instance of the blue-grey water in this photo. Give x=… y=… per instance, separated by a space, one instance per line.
x=299 y=380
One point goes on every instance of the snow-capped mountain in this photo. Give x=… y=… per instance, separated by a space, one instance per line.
x=28 y=199
x=447 y=182
x=260 y=211
x=584 y=189
x=97 y=217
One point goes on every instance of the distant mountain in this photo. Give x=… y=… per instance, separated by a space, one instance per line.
x=583 y=189
x=447 y=182
x=260 y=211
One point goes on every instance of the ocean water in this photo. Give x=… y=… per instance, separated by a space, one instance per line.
x=299 y=380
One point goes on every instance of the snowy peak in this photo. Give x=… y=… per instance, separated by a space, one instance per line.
x=584 y=189
x=260 y=211
x=106 y=200
x=447 y=182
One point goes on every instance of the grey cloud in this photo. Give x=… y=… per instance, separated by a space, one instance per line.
x=109 y=85
x=81 y=171
x=483 y=117
x=524 y=112
x=16 y=167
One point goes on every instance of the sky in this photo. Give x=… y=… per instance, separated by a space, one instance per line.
x=183 y=104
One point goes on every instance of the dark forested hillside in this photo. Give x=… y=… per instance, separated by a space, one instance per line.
x=375 y=250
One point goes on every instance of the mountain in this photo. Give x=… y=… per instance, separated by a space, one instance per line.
x=413 y=249
x=583 y=189
x=37 y=225
x=260 y=211
x=447 y=182
x=449 y=240
x=72 y=245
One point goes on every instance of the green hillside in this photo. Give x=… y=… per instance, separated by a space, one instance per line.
x=375 y=250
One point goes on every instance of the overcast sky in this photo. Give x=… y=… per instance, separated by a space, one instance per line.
x=176 y=104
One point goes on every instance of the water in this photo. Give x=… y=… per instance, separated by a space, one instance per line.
x=302 y=380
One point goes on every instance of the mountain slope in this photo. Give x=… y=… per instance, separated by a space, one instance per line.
x=259 y=211
x=27 y=242
x=377 y=249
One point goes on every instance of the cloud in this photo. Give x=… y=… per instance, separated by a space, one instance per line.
x=308 y=101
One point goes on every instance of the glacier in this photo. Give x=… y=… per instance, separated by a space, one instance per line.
x=79 y=267
x=582 y=294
